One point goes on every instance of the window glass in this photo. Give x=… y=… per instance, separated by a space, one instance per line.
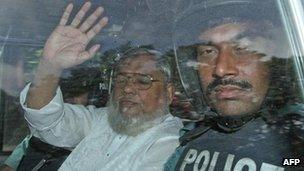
x=265 y=38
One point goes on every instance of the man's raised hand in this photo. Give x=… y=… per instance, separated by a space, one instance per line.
x=66 y=46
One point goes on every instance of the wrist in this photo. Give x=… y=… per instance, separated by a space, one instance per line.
x=48 y=67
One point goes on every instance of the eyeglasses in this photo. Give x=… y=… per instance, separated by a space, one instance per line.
x=140 y=81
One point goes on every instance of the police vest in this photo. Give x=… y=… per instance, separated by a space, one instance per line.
x=258 y=146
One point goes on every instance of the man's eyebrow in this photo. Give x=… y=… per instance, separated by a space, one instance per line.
x=246 y=34
x=240 y=36
x=206 y=43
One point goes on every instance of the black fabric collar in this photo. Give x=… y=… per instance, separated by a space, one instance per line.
x=232 y=123
x=228 y=124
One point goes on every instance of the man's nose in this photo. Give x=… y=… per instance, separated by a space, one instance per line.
x=129 y=87
x=226 y=63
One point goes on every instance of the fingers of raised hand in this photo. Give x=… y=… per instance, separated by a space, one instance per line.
x=85 y=55
x=81 y=13
x=81 y=26
x=65 y=17
x=96 y=29
x=91 y=19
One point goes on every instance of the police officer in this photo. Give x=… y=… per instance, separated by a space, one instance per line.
x=240 y=79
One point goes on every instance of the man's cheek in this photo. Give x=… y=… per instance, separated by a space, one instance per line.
x=149 y=103
x=116 y=93
x=205 y=75
x=251 y=68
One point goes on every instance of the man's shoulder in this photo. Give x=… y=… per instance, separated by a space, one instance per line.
x=171 y=125
x=289 y=118
x=100 y=110
x=99 y=115
x=291 y=124
x=163 y=137
x=165 y=130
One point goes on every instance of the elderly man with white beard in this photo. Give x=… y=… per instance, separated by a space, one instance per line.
x=136 y=131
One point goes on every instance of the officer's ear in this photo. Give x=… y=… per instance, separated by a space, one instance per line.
x=170 y=92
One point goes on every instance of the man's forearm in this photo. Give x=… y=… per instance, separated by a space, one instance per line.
x=44 y=86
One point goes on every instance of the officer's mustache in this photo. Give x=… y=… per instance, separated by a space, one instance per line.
x=242 y=84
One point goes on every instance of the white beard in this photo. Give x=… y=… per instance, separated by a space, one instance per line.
x=135 y=124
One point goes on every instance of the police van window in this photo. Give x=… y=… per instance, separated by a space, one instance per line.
x=143 y=84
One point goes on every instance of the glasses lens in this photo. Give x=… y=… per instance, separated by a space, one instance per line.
x=142 y=82
x=120 y=80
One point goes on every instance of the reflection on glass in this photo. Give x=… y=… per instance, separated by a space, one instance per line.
x=236 y=62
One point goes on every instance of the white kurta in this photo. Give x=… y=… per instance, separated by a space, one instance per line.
x=98 y=147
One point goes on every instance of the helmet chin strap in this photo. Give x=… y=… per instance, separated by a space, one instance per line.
x=236 y=122
x=233 y=123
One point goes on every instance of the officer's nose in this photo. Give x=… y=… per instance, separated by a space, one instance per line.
x=226 y=63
